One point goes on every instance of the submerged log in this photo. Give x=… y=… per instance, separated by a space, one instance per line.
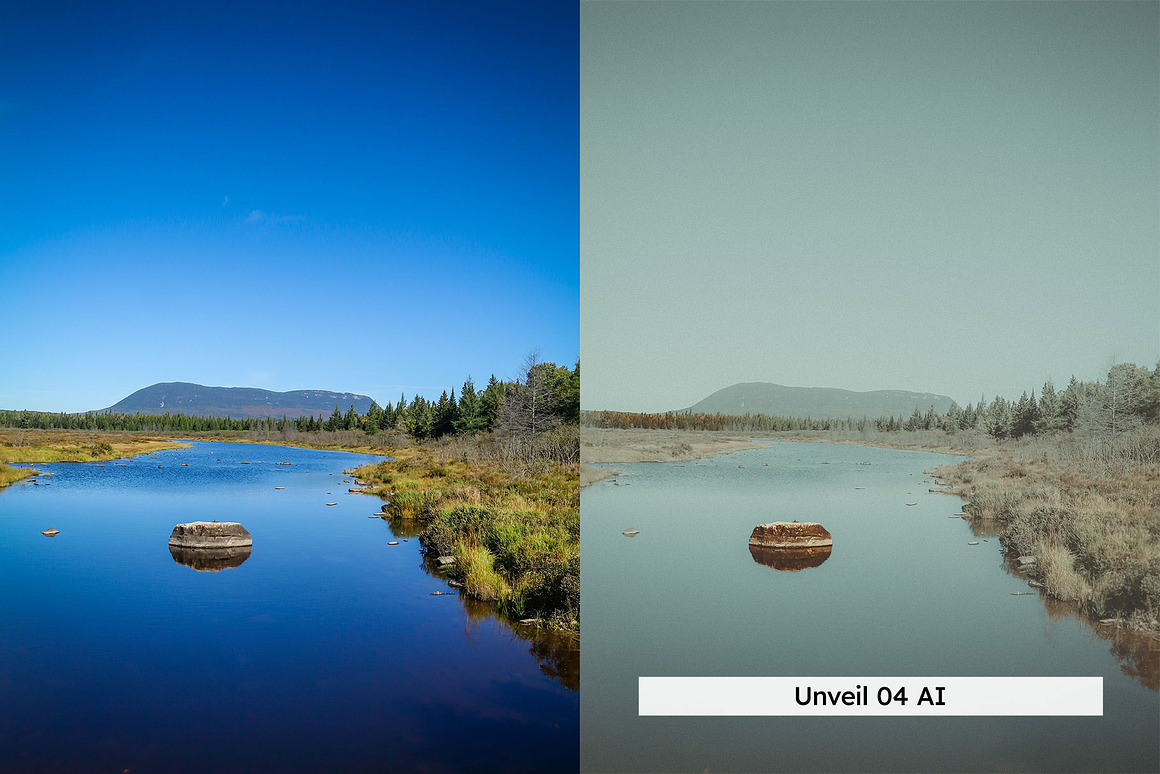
x=790 y=534
x=211 y=534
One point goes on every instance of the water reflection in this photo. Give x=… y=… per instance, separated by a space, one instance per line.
x=210 y=559
x=790 y=559
x=557 y=653
x=1138 y=653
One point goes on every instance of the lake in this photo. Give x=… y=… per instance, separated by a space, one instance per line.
x=902 y=594
x=323 y=650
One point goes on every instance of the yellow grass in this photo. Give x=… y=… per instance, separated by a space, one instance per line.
x=24 y=445
x=12 y=475
x=1095 y=533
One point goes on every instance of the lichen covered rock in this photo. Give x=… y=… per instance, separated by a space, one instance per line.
x=210 y=534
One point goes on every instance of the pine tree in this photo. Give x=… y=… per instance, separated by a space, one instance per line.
x=1051 y=418
x=471 y=419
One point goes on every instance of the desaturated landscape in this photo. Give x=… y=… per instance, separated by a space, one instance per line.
x=1070 y=479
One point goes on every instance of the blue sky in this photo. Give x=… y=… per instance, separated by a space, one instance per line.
x=373 y=198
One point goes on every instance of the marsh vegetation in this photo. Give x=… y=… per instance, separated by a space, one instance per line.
x=1070 y=477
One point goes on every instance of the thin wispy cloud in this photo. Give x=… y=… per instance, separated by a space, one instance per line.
x=258 y=216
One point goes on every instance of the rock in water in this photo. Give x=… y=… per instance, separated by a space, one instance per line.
x=51 y=532
x=210 y=534
x=630 y=532
x=790 y=534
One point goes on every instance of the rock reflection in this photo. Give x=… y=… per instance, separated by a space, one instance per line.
x=790 y=559
x=210 y=559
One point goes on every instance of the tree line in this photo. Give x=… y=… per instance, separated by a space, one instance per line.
x=1108 y=411
x=543 y=398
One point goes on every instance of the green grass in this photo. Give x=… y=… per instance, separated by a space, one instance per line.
x=12 y=475
x=515 y=539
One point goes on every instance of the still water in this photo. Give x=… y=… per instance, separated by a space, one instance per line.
x=323 y=650
x=902 y=594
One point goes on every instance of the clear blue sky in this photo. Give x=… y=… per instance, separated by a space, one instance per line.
x=370 y=197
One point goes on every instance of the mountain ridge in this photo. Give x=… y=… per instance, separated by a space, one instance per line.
x=199 y=400
x=815 y=402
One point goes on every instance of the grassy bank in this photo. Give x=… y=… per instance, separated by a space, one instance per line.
x=20 y=445
x=32 y=446
x=515 y=540
x=1094 y=531
x=12 y=475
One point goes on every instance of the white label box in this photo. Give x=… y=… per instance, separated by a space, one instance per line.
x=865 y=696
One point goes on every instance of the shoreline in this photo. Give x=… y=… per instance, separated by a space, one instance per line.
x=609 y=446
x=1006 y=485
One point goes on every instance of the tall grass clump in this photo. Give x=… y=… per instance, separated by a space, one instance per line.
x=12 y=475
x=1094 y=530
x=514 y=535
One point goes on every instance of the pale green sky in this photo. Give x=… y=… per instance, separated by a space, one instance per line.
x=949 y=197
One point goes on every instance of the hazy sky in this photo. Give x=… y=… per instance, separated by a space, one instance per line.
x=960 y=198
x=370 y=197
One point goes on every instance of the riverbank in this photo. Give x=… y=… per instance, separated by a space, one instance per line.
x=1094 y=530
x=603 y=446
x=607 y=446
x=512 y=540
x=1086 y=535
x=31 y=446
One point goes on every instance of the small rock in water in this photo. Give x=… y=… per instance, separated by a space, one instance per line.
x=1026 y=560
x=526 y=621
x=630 y=532
x=442 y=593
x=973 y=543
x=279 y=487
x=446 y=560
x=393 y=543
x=331 y=503
x=50 y=532
x=912 y=503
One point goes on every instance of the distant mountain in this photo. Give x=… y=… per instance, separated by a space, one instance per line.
x=816 y=402
x=197 y=400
